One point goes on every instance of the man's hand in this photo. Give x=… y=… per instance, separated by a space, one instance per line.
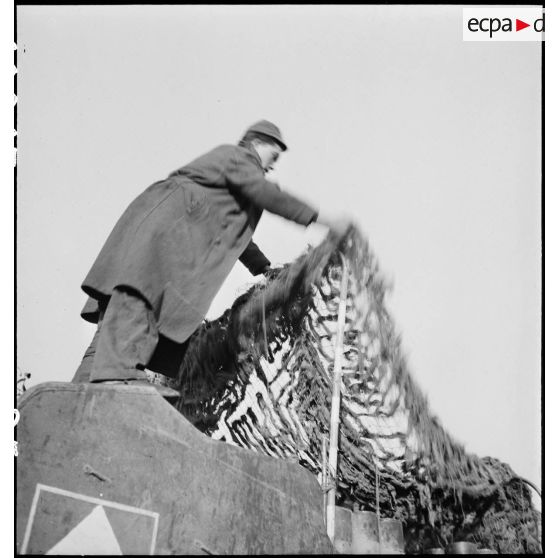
x=265 y=273
x=338 y=225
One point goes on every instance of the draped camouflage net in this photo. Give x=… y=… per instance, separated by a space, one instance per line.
x=260 y=377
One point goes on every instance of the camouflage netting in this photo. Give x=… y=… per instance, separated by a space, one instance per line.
x=261 y=377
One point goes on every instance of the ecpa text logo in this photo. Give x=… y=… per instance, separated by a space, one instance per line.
x=503 y=24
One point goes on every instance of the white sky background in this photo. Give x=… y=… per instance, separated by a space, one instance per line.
x=431 y=143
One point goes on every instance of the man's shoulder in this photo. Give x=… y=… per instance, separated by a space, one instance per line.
x=225 y=151
x=234 y=152
x=222 y=156
x=232 y=149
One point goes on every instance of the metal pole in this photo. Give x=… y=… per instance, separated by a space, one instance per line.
x=324 y=474
x=378 y=506
x=336 y=401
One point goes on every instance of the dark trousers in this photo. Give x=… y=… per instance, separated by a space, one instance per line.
x=124 y=342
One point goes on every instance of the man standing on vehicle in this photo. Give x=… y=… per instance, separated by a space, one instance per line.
x=173 y=247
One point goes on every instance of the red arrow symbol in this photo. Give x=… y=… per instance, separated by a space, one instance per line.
x=519 y=25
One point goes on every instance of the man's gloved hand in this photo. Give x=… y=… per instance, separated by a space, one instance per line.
x=267 y=273
x=338 y=225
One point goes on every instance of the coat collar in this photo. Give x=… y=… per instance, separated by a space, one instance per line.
x=254 y=154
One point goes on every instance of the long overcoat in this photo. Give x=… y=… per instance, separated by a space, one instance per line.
x=178 y=240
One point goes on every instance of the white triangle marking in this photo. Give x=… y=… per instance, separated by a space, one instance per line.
x=93 y=535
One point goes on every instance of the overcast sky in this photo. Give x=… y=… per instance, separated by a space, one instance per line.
x=431 y=143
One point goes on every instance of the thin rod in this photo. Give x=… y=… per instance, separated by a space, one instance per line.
x=336 y=401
